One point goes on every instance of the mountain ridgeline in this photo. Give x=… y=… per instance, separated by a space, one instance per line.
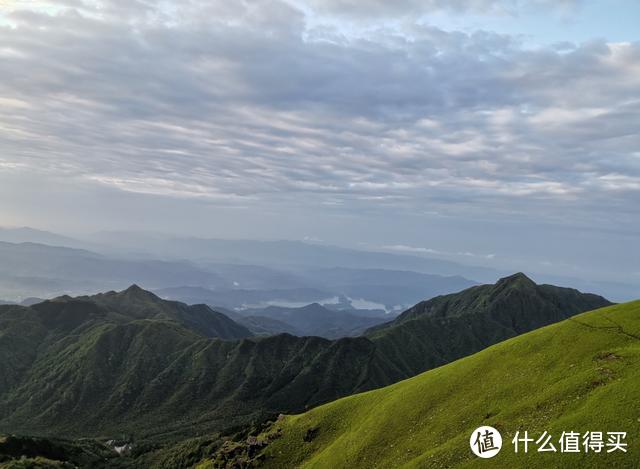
x=134 y=304
x=579 y=374
x=449 y=327
x=314 y=319
x=131 y=362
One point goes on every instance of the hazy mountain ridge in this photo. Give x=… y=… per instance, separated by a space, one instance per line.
x=259 y=265
x=262 y=325
x=47 y=271
x=29 y=269
x=315 y=319
x=241 y=298
x=31 y=235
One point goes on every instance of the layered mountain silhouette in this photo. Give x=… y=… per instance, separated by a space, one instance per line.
x=131 y=362
x=41 y=270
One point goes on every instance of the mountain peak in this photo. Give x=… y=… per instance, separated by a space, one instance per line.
x=134 y=291
x=516 y=280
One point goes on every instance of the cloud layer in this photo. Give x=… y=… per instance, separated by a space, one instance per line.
x=406 y=8
x=236 y=102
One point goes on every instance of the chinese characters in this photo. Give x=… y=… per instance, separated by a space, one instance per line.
x=572 y=442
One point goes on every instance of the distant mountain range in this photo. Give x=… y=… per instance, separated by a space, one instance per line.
x=39 y=270
x=30 y=235
x=29 y=269
x=315 y=320
x=255 y=265
x=242 y=299
x=133 y=363
x=26 y=302
x=259 y=265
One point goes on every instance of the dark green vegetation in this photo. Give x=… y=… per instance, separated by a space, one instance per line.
x=448 y=327
x=582 y=374
x=26 y=453
x=132 y=363
x=79 y=366
x=136 y=303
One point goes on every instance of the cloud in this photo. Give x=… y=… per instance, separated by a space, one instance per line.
x=434 y=252
x=239 y=101
x=407 y=8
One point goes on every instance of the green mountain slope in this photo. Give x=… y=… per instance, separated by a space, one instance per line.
x=582 y=374
x=134 y=303
x=449 y=327
x=130 y=362
x=510 y=296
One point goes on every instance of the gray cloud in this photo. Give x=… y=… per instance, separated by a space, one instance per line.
x=405 y=8
x=240 y=103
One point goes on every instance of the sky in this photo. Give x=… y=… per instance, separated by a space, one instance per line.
x=498 y=133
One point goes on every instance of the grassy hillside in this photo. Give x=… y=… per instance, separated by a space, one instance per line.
x=582 y=374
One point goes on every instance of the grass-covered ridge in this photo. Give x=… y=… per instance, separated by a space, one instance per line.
x=582 y=374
